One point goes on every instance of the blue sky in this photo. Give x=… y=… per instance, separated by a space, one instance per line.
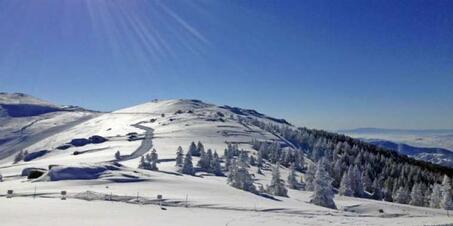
x=320 y=64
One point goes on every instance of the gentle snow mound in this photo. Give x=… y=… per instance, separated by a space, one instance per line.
x=81 y=172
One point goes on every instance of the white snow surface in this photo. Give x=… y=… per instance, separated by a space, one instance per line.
x=124 y=195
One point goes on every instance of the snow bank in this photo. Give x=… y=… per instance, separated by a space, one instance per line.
x=82 y=172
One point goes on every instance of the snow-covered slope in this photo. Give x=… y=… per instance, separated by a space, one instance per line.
x=25 y=120
x=87 y=170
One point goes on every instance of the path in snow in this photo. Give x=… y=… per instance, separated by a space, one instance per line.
x=146 y=145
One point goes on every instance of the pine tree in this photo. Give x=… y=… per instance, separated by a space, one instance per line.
x=346 y=186
x=240 y=178
x=153 y=160
x=292 y=178
x=204 y=162
x=187 y=167
x=417 y=198
x=337 y=172
x=401 y=196
x=144 y=164
x=200 y=148
x=215 y=165
x=117 y=155
x=277 y=186
x=299 y=160
x=193 y=149
x=310 y=177
x=377 y=192
x=357 y=182
x=446 y=202
x=244 y=157
x=179 y=156
x=436 y=196
x=323 y=192
x=366 y=181
x=259 y=159
x=209 y=155
x=148 y=157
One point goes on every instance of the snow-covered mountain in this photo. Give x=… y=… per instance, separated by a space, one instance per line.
x=428 y=145
x=434 y=138
x=96 y=156
x=438 y=156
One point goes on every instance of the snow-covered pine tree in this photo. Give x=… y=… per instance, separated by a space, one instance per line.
x=193 y=149
x=259 y=158
x=240 y=178
x=310 y=177
x=357 y=182
x=277 y=186
x=436 y=196
x=346 y=186
x=426 y=196
x=209 y=155
x=323 y=192
x=377 y=192
x=148 y=157
x=117 y=155
x=200 y=148
x=401 y=196
x=292 y=178
x=143 y=164
x=366 y=181
x=154 y=159
x=215 y=167
x=244 y=157
x=387 y=190
x=417 y=198
x=203 y=163
x=227 y=155
x=179 y=156
x=337 y=172
x=299 y=160
x=446 y=202
x=187 y=167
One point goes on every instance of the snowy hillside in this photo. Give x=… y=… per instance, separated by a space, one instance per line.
x=25 y=120
x=107 y=158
